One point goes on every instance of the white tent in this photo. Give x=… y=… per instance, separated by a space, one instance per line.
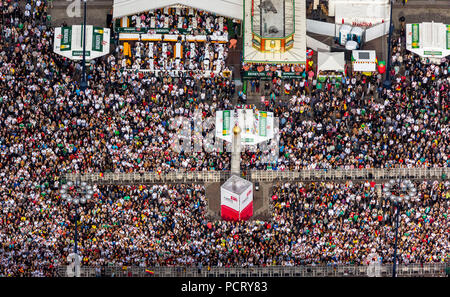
x=428 y=40
x=331 y=61
x=359 y=12
x=364 y=61
x=227 y=8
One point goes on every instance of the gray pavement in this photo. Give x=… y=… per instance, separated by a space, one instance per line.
x=417 y=11
x=71 y=12
x=261 y=201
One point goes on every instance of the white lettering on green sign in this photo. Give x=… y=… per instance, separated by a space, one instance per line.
x=415 y=35
x=226 y=122
x=80 y=53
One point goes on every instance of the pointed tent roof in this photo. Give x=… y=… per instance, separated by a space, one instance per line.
x=333 y=61
x=227 y=8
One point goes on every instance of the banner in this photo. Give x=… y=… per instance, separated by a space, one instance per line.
x=263 y=123
x=226 y=122
x=431 y=40
x=124 y=22
x=291 y=75
x=160 y=30
x=448 y=36
x=432 y=53
x=178 y=52
x=68 y=42
x=132 y=30
x=66 y=39
x=128 y=36
x=415 y=36
x=257 y=74
x=256 y=126
x=80 y=53
x=97 y=39
x=269 y=75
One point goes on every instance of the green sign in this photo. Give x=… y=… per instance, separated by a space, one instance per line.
x=448 y=36
x=257 y=74
x=289 y=43
x=432 y=53
x=160 y=30
x=415 y=35
x=264 y=74
x=291 y=75
x=66 y=38
x=97 y=39
x=226 y=122
x=132 y=30
x=262 y=123
x=80 y=53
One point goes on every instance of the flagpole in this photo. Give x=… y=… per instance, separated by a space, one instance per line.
x=387 y=83
x=83 y=84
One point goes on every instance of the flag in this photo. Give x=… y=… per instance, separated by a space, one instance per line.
x=149 y=271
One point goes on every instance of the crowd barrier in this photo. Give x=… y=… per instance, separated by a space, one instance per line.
x=384 y=270
x=261 y=175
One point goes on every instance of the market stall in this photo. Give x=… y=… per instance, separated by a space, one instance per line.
x=364 y=61
x=330 y=65
x=428 y=40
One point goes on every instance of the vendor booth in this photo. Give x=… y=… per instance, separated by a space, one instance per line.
x=364 y=61
x=428 y=40
x=330 y=65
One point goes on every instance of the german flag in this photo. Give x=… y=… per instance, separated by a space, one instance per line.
x=149 y=271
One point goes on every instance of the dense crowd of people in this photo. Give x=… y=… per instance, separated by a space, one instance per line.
x=195 y=44
x=312 y=223
x=361 y=124
x=123 y=122
x=194 y=20
x=192 y=57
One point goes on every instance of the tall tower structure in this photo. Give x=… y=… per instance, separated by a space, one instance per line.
x=241 y=127
x=275 y=31
x=236 y=151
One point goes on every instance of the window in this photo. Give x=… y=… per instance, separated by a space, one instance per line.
x=363 y=55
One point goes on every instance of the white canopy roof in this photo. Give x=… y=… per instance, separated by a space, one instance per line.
x=331 y=61
x=431 y=40
x=363 y=12
x=227 y=8
x=364 y=60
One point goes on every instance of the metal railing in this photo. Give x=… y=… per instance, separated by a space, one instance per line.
x=262 y=175
x=352 y=174
x=150 y=177
x=411 y=270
